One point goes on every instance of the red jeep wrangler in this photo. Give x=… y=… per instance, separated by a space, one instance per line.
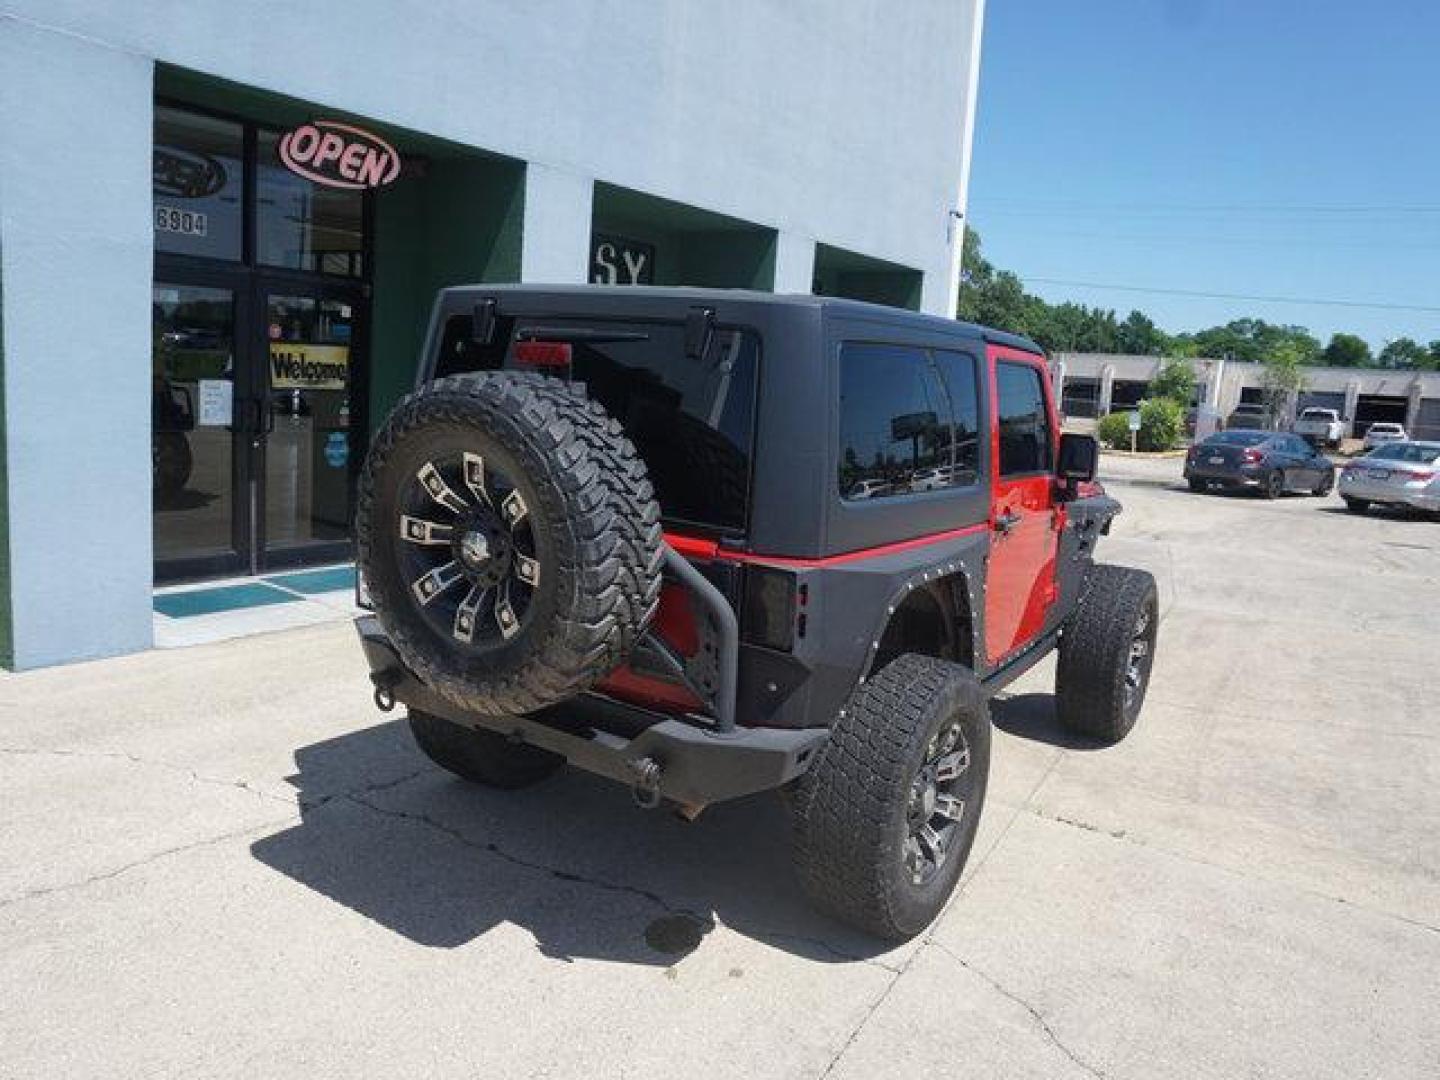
x=708 y=543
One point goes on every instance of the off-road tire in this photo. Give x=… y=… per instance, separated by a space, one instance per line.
x=1274 y=485
x=1094 y=666
x=1325 y=485
x=1357 y=506
x=482 y=757
x=592 y=511
x=850 y=809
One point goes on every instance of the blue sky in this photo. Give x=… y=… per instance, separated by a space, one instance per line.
x=1258 y=147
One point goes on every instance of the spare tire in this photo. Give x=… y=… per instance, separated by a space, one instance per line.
x=510 y=540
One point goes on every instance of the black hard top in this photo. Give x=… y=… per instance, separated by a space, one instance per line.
x=635 y=299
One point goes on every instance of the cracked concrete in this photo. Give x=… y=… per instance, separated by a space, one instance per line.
x=221 y=862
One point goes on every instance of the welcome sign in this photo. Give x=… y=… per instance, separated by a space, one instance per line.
x=295 y=366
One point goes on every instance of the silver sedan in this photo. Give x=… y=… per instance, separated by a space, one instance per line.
x=1405 y=474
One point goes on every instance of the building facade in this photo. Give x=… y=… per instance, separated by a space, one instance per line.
x=1094 y=384
x=221 y=225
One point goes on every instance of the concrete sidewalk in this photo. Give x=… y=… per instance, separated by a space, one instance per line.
x=221 y=861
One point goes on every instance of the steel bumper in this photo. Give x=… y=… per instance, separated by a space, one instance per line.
x=659 y=757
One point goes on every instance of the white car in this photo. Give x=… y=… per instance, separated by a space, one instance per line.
x=1398 y=474
x=1382 y=433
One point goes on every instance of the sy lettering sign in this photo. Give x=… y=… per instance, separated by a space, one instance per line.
x=617 y=261
x=339 y=155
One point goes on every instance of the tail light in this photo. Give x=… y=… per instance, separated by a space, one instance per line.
x=543 y=354
x=1251 y=456
x=1420 y=477
x=768 y=613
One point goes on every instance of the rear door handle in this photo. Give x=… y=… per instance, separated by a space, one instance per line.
x=1007 y=521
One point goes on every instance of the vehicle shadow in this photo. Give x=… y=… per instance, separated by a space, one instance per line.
x=1032 y=716
x=571 y=860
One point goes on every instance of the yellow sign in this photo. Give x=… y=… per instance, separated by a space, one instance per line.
x=297 y=366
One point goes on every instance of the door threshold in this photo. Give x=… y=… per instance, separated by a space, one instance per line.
x=198 y=613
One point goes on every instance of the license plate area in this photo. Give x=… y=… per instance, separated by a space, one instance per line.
x=1378 y=474
x=1216 y=460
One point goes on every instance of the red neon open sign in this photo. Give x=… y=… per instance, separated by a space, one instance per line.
x=339 y=155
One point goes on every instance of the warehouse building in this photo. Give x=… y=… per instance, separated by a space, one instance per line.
x=221 y=225
x=1094 y=384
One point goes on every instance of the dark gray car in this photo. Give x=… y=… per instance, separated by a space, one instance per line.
x=1270 y=462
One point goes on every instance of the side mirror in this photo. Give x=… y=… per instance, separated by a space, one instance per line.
x=1079 y=458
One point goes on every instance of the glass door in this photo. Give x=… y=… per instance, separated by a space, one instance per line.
x=197 y=438
x=309 y=444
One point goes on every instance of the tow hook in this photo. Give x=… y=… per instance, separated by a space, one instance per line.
x=646 y=789
x=384 y=690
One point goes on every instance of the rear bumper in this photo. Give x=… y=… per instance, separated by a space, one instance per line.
x=661 y=756
x=1378 y=491
x=1248 y=476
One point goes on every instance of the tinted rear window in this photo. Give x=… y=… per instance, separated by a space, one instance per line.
x=1237 y=438
x=692 y=420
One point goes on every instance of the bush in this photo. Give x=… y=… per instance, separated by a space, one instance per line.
x=1114 y=431
x=1161 y=423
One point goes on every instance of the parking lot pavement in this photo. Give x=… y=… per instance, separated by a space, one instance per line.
x=221 y=861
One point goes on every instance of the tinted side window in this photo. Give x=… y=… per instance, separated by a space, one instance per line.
x=1024 y=424
x=898 y=421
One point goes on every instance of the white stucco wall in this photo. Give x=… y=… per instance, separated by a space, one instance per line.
x=75 y=265
x=845 y=122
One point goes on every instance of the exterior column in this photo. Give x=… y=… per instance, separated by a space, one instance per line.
x=794 y=263
x=76 y=261
x=1107 y=386
x=555 y=245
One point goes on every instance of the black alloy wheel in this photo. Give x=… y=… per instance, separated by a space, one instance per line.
x=469 y=554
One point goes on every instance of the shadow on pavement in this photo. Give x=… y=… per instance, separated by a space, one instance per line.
x=571 y=860
x=1032 y=716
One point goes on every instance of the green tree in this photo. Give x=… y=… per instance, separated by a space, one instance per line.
x=1346 y=350
x=1283 y=376
x=1432 y=362
x=1252 y=340
x=1175 y=382
x=1139 y=336
x=1404 y=353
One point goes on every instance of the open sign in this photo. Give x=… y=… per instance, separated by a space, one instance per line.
x=339 y=155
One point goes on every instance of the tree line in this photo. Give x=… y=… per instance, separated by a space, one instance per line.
x=997 y=298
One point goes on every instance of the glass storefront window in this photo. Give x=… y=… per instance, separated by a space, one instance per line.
x=198 y=185
x=192 y=414
x=302 y=225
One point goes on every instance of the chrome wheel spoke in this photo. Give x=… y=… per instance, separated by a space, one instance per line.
x=420 y=531
x=435 y=486
x=527 y=569
x=952 y=765
x=467 y=614
x=505 y=615
x=514 y=509
x=474 y=466
x=949 y=807
x=932 y=843
x=430 y=585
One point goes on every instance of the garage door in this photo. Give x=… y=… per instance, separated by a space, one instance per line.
x=1316 y=399
x=1427 y=425
x=1374 y=408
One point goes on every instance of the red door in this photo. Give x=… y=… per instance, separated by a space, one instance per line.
x=1024 y=517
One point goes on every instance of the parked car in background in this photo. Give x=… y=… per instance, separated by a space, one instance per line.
x=1399 y=474
x=1381 y=433
x=1269 y=462
x=1250 y=416
x=1320 y=427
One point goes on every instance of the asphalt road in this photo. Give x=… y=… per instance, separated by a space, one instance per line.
x=222 y=862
